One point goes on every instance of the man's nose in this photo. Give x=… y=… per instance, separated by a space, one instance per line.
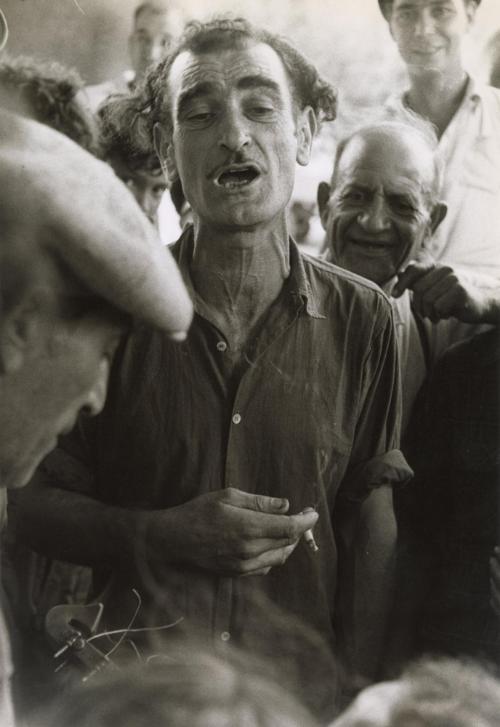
x=374 y=216
x=234 y=131
x=96 y=396
x=425 y=22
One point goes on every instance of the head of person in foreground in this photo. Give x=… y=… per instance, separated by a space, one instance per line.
x=72 y=278
x=430 y=693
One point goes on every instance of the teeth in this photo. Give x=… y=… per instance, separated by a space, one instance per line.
x=236 y=177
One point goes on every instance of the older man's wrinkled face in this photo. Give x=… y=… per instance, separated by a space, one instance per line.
x=429 y=33
x=57 y=369
x=149 y=40
x=236 y=134
x=378 y=215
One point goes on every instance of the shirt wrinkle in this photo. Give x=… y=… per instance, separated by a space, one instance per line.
x=302 y=420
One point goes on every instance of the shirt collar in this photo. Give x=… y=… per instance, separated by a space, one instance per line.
x=298 y=284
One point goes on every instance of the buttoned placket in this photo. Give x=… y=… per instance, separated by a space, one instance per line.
x=281 y=318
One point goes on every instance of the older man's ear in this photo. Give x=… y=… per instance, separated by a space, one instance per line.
x=438 y=214
x=323 y=197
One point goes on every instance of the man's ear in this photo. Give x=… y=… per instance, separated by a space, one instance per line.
x=323 y=198
x=438 y=214
x=306 y=130
x=165 y=152
x=18 y=332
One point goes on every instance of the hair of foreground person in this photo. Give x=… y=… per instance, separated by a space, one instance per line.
x=48 y=93
x=190 y=690
x=431 y=692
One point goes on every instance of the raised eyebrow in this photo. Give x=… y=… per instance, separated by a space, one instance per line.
x=256 y=82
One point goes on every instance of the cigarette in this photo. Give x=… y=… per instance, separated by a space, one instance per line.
x=309 y=538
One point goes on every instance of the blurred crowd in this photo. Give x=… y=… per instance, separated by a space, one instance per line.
x=250 y=477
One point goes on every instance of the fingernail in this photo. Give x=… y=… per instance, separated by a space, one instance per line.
x=279 y=503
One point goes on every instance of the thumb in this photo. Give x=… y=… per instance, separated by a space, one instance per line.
x=407 y=277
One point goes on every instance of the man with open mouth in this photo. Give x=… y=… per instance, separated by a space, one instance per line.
x=279 y=414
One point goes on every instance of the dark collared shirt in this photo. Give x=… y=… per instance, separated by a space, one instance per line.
x=313 y=416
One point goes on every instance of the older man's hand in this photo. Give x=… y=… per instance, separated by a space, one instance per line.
x=440 y=291
x=228 y=532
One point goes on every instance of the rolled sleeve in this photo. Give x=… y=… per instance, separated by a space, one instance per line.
x=375 y=457
x=390 y=468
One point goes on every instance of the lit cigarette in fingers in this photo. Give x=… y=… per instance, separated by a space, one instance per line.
x=309 y=538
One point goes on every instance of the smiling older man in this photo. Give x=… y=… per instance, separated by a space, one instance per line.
x=380 y=214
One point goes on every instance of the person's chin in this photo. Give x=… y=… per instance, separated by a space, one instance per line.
x=22 y=474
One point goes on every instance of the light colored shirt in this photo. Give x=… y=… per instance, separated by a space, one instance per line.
x=469 y=236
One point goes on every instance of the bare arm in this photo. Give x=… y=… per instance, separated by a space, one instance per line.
x=228 y=532
x=368 y=535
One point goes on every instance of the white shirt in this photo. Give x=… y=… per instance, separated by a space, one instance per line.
x=469 y=236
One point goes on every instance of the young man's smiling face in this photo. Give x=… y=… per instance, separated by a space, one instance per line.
x=379 y=215
x=237 y=134
x=429 y=33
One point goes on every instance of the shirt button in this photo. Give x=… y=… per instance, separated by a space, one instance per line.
x=225 y=636
x=236 y=418
x=221 y=346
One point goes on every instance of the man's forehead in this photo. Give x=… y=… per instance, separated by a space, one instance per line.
x=226 y=66
x=397 y=4
x=401 y=157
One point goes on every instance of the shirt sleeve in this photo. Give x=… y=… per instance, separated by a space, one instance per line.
x=375 y=456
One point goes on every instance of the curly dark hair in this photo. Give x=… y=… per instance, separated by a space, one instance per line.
x=47 y=92
x=309 y=88
x=122 y=136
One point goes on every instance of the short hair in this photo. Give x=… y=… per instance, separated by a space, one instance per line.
x=451 y=692
x=386 y=7
x=158 y=8
x=399 y=120
x=308 y=87
x=47 y=92
x=188 y=690
x=120 y=137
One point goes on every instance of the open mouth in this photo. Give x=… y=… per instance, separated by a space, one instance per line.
x=237 y=176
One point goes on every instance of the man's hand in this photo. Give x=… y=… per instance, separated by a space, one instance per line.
x=495 y=581
x=440 y=291
x=228 y=532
